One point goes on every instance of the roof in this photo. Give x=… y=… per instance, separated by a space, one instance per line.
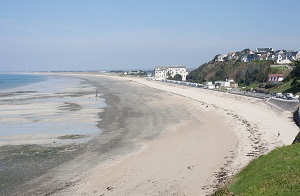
x=264 y=49
x=275 y=75
x=167 y=67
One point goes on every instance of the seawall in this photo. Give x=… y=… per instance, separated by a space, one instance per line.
x=284 y=105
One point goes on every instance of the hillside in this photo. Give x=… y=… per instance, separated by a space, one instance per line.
x=241 y=72
x=276 y=173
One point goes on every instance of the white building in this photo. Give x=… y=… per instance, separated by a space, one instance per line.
x=282 y=59
x=229 y=83
x=164 y=72
x=220 y=57
x=222 y=83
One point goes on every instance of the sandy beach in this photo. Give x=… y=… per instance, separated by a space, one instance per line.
x=165 y=139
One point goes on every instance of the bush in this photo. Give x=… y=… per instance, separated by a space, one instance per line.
x=269 y=86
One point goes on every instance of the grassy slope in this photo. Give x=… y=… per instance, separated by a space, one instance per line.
x=277 y=173
x=279 y=70
x=285 y=88
x=282 y=87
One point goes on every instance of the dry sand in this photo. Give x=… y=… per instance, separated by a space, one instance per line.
x=165 y=139
x=182 y=161
x=221 y=134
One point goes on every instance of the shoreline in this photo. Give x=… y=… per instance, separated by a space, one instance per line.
x=252 y=140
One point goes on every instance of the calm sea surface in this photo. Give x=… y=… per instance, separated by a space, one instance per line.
x=8 y=81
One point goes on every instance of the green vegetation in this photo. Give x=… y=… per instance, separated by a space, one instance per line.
x=280 y=88
x=277 y=173
x=280 y=70
x=295 y=74
x=177 y=77
x=243 y=73
x=248 y=74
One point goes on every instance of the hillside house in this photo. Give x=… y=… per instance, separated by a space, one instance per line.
x=275 y=78
x=297 y=55
x=249 y=57
x=164 y=72
x=244 y=58
x=231 y=56
x=262 y=54
x=263 y=57
x=283 y=59
x=220 y=57
x=264 y=50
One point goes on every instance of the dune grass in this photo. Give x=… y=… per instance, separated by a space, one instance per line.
x=277 y=173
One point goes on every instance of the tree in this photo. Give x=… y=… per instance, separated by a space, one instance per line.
x=295 y=74
x=220 y=74
x=177 y=77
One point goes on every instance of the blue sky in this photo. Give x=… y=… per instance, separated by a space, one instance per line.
x=138 y=34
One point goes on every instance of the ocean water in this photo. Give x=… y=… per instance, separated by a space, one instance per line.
x=8 y=81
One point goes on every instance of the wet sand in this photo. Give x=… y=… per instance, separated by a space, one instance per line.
x=41 y=112
x=43 y=125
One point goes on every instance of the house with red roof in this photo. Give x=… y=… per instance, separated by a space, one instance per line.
x=275 y=78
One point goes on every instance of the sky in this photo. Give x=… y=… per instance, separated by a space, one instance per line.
x=92 y=35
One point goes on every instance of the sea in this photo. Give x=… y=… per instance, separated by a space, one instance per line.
x=38 y=109
x=8 y=81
